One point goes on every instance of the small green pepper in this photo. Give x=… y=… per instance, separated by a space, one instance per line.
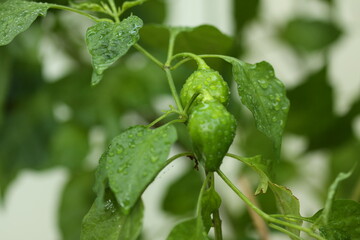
x=212 y=130
x=207 y=80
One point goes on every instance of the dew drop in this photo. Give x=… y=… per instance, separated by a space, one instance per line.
x=154 y=159
x=274 y=119
x=119 y=150
x=263 y=83
x=111 y=154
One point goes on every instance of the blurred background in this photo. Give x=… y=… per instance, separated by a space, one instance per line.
x=54 y=125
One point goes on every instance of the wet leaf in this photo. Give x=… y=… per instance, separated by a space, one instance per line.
x=287 y=204
x=343 y=221
x=264 y=95
x=108 y=221
x=132 y=161
x=77 y=198
x=16 y=16
x=108 y=41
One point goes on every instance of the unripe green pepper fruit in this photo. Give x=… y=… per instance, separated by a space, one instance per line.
x=205 y=79
x=212 y=130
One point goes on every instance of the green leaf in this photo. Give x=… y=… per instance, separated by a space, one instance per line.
x=108 y=221
x=191 y=229
x=179 y=198
x=69 y=146
x=324 y=218
x=287 y=204
x=203 y=39
x=343 y=221
x=198 y=227
x=107 y=42
x=130 y=4
x=77 y=198
x=310 y=34
x=16 y=16
x=264 y=95
x=257 y=164
x=5 y=66
x=210 y=202
x=132 y=161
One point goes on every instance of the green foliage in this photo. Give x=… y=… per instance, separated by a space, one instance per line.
x=35 y=136
x=198 y=227
x=17 y=16
x=264 y=95
x=310 y=35
x=287 y=204
x=342 y=222
x=181 y=195
x=109 y=222
x=199 y=40
x=132 y=161
x=77 y=198
x=108 y=41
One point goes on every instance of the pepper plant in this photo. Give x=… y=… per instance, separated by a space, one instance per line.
x=138 y=154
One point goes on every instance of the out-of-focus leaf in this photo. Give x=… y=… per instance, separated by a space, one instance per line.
x=130 y=4
x=244 y=11
x=132 y=161
x=309 y=34
x=314 y=100
x=287 y=204
x=108 y=221
x=199 y=40
x=181 y=195
x=191 y=229
x=258 y=165
x=342 y=159
x=197 y=228
x=323 y=219
x=69 y=146
x=311 y=100
x=4 y=79
x=76 y=201
x=153 y=11
x=25 y=134
x=16 y=16
x=108 y=41
x=343 y=221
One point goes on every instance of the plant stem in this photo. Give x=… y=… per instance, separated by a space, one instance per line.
x=178 y=156
x=201 y=63
x=292 y=218
x=149 y=55
x=216 y=216
x=61 y=7
x=264 y=215
x=159 y=119
x=114 y=11
x=242 y=196
x=187 y=107
x=285 y=231
x=173 y=89
x=172 y=38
